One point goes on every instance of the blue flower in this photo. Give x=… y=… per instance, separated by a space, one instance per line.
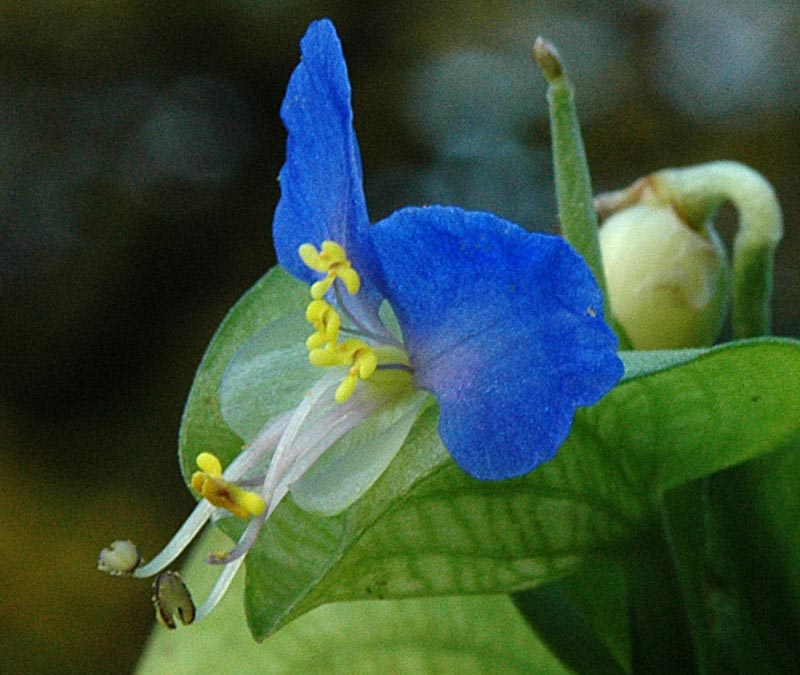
x=503 y=326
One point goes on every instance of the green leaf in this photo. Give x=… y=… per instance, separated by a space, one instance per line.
x=685 y=515
x=426 y=528
x=638 y=364
x=734 y=403
x=408 y=637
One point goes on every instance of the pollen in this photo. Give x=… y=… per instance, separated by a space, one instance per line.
x=208 y=483
x=332 y=261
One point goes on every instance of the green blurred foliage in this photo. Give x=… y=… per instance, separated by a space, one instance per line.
x=139 y=145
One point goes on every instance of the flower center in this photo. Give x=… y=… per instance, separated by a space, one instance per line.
x=323 y=345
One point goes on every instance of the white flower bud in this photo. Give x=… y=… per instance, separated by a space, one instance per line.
x=667 y=282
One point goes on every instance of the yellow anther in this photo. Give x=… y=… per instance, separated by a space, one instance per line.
x=315 y=341
x=329 y=355
x=354 y=353
x=209 y=464
x=314 y=258
x=350 y=279
x=221 y=493
x=321 y=287
x=365 y=363
x=332 y=261
x=346 y=388
x=324 y=347
x=326 y=322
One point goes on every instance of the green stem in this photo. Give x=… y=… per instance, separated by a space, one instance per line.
x=685 y=514
x=697 y=192
x=662 y=636
x=752 y=290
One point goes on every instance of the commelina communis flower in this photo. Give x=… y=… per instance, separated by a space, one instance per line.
x=504 y=327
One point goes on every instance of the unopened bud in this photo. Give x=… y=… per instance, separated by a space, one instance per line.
x=667 y=282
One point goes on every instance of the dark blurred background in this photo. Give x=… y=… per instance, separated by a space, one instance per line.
x=139 y=148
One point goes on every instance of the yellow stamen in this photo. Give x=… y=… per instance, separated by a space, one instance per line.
x=324 y=347
x=346 y=388
x=354 y=353
x=365 y=362
x=209 y=464
x=332 y=261
x=208 y=482
x=329 y=355
x=326 y=322
x=321 y=287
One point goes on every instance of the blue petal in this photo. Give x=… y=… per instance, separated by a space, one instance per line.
x=504 y=326
x=322 y=195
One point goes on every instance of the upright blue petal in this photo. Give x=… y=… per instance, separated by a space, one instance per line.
x=322 y=195
x=504 y=326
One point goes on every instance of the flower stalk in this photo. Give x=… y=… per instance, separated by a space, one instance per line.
x=571 y=171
